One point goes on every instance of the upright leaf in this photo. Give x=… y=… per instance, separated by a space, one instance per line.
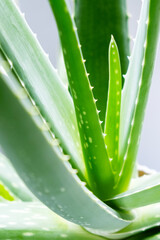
x=132 y=79
x=96 y=159
x=112 y=121
x=136 y=89
x=96 y=21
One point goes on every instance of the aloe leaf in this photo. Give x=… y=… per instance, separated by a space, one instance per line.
x=41 y=164
x=12 y=181
x=136 y=89
x=112 y=121
x=145 y=191
x=19 y=220
x=40 y=79
x=96 y=22
x=132 y=79
x=96 y=159
x=147 y=217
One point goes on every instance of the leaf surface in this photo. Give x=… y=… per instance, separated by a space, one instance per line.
x=32 y=220
x=40 y=79
x=12 y=181
x=112 y=121
x=136 y=89
x=98 y=167
x=144 y=191
x=146 y=218
x=42 y=165
x=96 y=22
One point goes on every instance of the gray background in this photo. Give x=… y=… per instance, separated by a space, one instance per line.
x=40 y=19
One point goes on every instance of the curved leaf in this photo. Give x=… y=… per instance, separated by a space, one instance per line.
x=20 y=221
x=145 y=191
x=146 y=218
x=42 y=165
x=40 y=79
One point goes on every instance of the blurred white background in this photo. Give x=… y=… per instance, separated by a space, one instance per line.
x=40 y=19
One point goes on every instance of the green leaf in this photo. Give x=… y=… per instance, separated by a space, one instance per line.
x=136 y=89
x=19 y=220
x=96 y=21
x=144 y=191
x=12 y=181
x=132 y=79
x=40 y=79
x=42 y=165
x=146 y=218
x=96 y=159
x=112 y=121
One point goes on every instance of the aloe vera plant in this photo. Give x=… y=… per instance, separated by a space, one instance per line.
x=72 y=150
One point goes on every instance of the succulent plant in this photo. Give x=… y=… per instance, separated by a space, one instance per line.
x=74 y=145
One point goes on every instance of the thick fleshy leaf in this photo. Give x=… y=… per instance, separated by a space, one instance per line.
x=40 y=79
x=136 y=89
x=19 y=220
x=95 y=154
x=112 y=121
x=144 y=191
x=132 y=79
x=145 y=218
x=41 y=164
x=96 y=21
